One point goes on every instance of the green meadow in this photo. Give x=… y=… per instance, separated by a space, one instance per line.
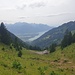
x=60 y=62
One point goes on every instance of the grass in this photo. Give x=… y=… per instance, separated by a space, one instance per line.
x=61 y=62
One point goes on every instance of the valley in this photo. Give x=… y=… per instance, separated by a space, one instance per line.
x=28 y=37
x=28 y=31
x=37 y=37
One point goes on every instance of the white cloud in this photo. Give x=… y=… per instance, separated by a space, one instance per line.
x=22 y=7
x=52 y=12
x=38 y=4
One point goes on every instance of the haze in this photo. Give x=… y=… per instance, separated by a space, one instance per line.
x=51 y=12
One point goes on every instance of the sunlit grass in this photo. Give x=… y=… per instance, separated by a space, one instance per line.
x=62 y=62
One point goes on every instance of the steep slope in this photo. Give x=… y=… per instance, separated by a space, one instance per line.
x=7 y=37
x=54 y=36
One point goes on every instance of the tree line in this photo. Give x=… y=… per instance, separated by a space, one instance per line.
x=6 y=39
x=4 y=35
x=67 y=40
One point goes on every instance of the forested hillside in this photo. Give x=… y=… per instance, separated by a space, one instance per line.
x=55 y=35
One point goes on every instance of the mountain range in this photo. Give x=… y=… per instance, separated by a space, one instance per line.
x=54 y=35
x=26 y=31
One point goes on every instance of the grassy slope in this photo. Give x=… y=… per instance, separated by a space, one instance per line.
x=62 y=62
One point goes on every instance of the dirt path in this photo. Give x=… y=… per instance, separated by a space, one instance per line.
x=40 y=52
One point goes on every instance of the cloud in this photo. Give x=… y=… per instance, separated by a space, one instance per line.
x=22 y=7
x=61 y=14
x=37 y=4
x=23 y=17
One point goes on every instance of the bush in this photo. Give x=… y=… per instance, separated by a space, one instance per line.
x=16 y=65
x=41 y=71
x=3 y=64
x=52 y=73
x=10 y=47
x=3 y=49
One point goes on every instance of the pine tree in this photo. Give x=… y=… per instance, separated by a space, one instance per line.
x=52 y=48
x=67 y=40
x=4 y=35
x=19 y=53
x=73 y=38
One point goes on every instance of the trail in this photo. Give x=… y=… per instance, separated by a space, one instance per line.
x=41 y=52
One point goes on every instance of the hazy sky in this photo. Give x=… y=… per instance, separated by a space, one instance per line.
x=51 y=12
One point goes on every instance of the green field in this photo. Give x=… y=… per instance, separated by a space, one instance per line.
x=61 y=62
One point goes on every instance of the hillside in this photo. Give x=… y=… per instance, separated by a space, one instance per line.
x=54 y=35
x=8 y=38
x=61 y=62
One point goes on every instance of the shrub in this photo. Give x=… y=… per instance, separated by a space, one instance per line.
x=41 y=71
x=16 y=65
x=52 y=73
x=3 y=49
x=65 y=61
x=3 y=64
x=10 y=47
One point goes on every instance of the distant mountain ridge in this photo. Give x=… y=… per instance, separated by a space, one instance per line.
x=23 y=27
x=54 y=35
x=27 y=31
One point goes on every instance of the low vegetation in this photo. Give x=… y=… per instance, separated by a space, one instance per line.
x=60 y=62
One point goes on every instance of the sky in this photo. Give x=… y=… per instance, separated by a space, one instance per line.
x=51 y=12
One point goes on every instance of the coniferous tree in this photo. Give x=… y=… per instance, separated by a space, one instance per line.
x=16 y=44
x=67 y=40
x=73 y=38
x=19 y=53
x=52 y=48
x=4 y=35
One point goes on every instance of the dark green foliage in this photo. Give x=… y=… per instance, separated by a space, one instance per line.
x=19 y=53
x=54 y=35
x=41 y=71
x=3 y=49
x=67 y=40
x=10 y=47
x=4 y=35
x=34 y=48
x=53 y=73
x=3 y=64
x=8 y=38
x=17 y=45
x=20 y=47
x=52 y=48
x=16 y=65
x=73 y=39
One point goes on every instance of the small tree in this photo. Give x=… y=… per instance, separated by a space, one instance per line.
x=52 y=48
x=73 y=38
x=67 y=40
x=19 y=53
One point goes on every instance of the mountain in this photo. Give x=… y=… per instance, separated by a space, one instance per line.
x=26 y=31
x=54 y=35
x=22 y=27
